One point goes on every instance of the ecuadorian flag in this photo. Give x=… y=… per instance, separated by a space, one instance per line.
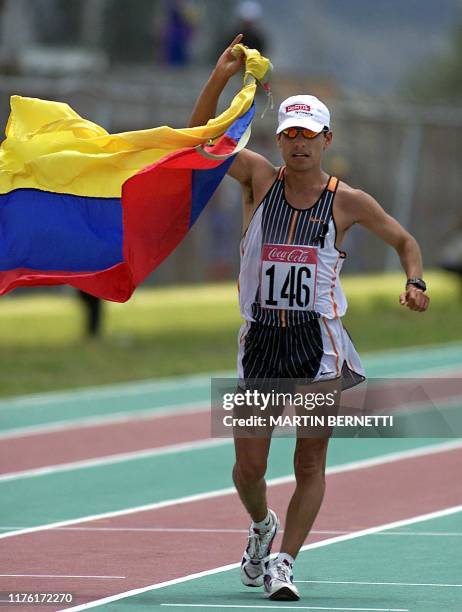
x=101 y=211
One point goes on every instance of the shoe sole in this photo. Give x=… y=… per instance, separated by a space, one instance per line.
x=284 y=594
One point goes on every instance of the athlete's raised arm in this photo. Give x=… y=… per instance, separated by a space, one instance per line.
x=247 y=164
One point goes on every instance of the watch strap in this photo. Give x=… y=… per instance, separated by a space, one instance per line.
x=417 y=282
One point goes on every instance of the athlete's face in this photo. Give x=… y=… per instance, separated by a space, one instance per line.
x=302 y=153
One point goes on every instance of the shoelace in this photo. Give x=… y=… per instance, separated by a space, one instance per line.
x=258 y=544
x=253 y=546
x=283 y=572
x=265 y=540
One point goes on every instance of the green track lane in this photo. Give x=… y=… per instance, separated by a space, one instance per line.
x=101 y=402
x=373 y=558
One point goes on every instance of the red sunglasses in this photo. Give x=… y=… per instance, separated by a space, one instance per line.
x=292 y=132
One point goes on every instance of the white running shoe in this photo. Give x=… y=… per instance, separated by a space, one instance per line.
x=278 y=581
x=257 y=553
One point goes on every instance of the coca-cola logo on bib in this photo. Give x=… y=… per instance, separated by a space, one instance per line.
x=292 y=255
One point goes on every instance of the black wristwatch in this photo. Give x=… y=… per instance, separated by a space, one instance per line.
x=417 y=282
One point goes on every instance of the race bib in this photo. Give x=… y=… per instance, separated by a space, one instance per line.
x=288 y=277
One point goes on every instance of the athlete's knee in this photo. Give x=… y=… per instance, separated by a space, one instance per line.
x=310 y=460
x=249 y=472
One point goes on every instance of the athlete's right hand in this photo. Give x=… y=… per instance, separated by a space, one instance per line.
x=229 y=63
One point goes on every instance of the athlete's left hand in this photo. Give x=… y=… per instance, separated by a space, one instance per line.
x=414 y=299
x=229 y=63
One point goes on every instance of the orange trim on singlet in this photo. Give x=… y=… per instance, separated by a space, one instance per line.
x=332 y=287
x=332 y=184
x=337 y=356
x=242 y=255
x=290 y=235
x=282 y=171
x=244 y=332
x=292 y=227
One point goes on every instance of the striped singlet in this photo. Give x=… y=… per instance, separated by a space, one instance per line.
x=290 y=265
x=290 y=294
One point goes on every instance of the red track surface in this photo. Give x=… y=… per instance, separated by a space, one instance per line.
x=355 y=500
x=88 y=442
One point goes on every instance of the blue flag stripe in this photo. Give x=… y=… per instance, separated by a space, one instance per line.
x=45 y=231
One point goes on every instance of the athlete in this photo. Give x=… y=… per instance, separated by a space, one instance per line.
x=295 y=220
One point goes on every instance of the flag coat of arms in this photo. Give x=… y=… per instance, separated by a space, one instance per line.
x=101 y=211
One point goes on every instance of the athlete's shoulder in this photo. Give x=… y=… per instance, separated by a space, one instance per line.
x=352 y=194
x=354 y=205
x=352 y=197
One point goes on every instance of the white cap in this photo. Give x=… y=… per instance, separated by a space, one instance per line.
x=303 y=111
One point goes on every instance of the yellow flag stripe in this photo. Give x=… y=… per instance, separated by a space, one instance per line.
x=48 y=146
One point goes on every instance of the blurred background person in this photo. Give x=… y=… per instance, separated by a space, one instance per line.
x=180 y=21
x=248 y=21
x=93 y=311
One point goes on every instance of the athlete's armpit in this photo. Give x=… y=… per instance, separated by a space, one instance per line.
x=252 y=170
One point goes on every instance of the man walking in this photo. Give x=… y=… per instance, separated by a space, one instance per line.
x=292 y=313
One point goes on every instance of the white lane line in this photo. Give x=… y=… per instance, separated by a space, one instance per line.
x=336 y=469
x=158 y=529
x=116 y=390
x=224 y=568
x=263 y=607
x=116 y=458
x=112 y=419
x=411 y=584
x=233 y=531
x=184 y=447
x=167 y=410
x=148 y=414
x=60 y=576
x=442 y=371
x=438 y=534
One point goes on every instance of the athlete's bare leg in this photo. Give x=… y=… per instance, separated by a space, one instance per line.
x=309 y=466
x=249 y=474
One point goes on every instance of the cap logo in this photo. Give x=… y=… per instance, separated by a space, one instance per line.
x=297 y=107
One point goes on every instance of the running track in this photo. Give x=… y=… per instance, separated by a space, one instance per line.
x=169 y=539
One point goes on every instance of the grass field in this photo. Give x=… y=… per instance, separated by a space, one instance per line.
x=189 y=329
